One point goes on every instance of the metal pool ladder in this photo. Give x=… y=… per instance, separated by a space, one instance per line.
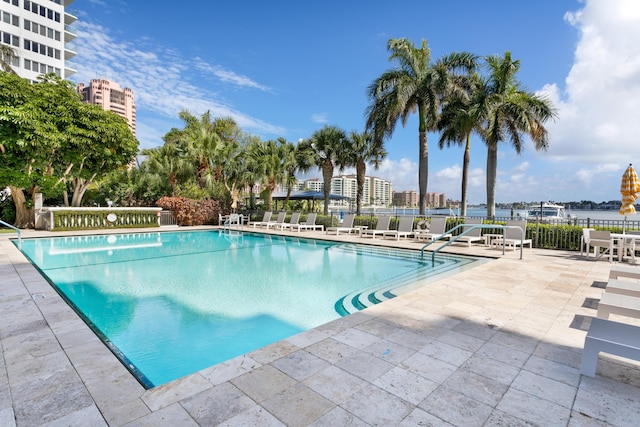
x=469 y=228
x=17 y=230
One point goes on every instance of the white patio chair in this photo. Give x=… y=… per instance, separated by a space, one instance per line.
x=601 y=239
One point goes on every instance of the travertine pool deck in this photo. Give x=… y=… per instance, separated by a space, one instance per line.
x=499 y=344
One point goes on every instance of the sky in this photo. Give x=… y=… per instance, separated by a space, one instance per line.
x=288 y=68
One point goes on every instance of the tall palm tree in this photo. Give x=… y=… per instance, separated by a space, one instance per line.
x=512 y=112
x=291 y=165
x=269 y=158
x=362 y=150
x=325 y=150
x=462 y=113
x=416 y=84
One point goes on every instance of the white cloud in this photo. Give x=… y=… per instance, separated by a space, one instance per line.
x=402 y=173
x=228 y=76
x=321 y=118
x=158 y=78
x=602 y=96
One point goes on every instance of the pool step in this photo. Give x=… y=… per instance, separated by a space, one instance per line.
x=362 y=299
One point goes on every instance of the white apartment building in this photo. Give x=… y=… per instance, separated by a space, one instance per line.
x=38 y=31
x=314 y=184
x=376 y=191
x=381 y=191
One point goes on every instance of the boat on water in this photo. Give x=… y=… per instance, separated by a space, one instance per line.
x=548 y=212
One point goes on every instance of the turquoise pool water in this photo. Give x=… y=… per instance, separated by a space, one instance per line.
x=171 y=303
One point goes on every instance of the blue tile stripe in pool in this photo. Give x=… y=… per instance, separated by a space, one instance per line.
x=172 y=303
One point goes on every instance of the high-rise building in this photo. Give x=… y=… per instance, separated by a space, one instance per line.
x=38 y=31
x=406 y=198
x=110 y=97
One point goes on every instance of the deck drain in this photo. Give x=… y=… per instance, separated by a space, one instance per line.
x=38 y=296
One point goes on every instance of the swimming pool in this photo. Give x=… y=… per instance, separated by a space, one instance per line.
x=169 y=304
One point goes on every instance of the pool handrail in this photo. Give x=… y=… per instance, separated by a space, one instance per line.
x=17 y=231
x=470 y=228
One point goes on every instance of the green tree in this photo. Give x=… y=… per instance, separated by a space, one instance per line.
x=512 y=112
x=271 y=160
x=49 y=138
x=462 y=113
x=170 y=162
x=325 y=150
x=416 y=84
x=362 y=150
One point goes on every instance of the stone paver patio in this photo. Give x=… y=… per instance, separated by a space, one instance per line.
x=499 y=344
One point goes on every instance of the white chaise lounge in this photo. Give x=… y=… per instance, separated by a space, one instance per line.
x=610 y=337
x=381 y=226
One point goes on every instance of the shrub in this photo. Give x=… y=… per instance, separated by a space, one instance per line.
x=192 y=212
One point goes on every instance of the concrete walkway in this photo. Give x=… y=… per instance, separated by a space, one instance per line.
x=499 y=344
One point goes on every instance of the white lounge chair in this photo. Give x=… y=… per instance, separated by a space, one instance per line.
x=514 y=235
x=345 y=227
x=265 y=220
x=437 y=227
x=405 y=229
x=381 y=226
x=279 y=220
x=610 y=337
x=472 y=234
x=295 y=217
x=309 y=224
x=619 y=271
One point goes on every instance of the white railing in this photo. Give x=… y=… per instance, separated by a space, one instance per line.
x=55 y=218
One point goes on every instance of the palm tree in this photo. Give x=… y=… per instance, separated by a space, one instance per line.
x=269 y=157
x=168 y=161
x=363 y=150
x=462 y=113
x=416 y=84
x=7 y=55
x=326 y=150
x=511 y=113
x=291 y=165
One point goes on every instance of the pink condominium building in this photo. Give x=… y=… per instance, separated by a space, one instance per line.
x=111 y=97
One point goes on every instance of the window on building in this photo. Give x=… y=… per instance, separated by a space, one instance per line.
x=15 y=40
x=43 y=68
x=50 y=52
x=6 y=38
x=56 y=53
x=43 y=49
x=27 y=25
x=50 y=33
x=34 y=7
x=27 y=4
x=57 y=17
x=58 y=71
x=43 y=30
x=43 y=11
x=57 y=35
